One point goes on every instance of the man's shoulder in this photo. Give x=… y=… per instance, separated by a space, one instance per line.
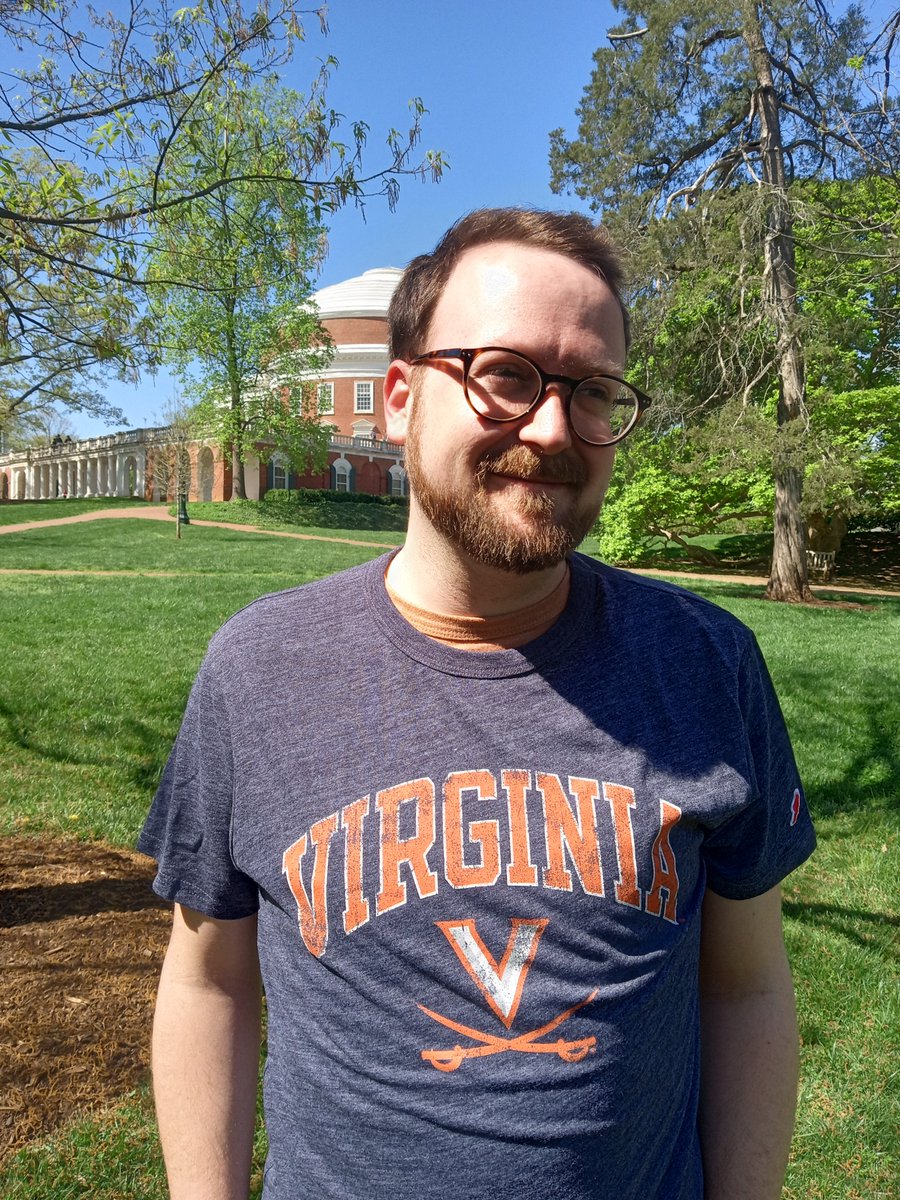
x=655 y=604
x=321 y=606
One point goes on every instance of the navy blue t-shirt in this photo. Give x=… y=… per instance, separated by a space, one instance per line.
x=479 y=879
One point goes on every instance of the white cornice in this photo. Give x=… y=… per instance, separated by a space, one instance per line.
x=355 y=361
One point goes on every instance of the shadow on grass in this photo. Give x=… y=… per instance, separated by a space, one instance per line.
x=142 y=746
x=32 y=905
x=847 y=922
x=873 y=754
x=711 y=590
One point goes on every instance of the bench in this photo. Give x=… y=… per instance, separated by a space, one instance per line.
x=820 y=562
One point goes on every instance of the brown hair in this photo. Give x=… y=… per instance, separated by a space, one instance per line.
x=571 y=234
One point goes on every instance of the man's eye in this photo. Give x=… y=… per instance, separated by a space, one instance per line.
x=596 y=391
x=505 y=377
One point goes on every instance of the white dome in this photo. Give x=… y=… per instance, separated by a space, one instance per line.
x=366 y=295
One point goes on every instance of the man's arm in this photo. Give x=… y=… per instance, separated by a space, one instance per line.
x=206 y=1055
x=748 y=1021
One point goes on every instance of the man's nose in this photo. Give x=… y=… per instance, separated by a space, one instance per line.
x=547 y=425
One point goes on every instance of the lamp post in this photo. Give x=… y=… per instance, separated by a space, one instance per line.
x=181 y=516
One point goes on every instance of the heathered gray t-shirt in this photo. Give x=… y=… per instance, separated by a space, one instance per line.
x=479 y=879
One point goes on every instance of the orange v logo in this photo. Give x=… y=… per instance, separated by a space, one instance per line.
x=501 y=985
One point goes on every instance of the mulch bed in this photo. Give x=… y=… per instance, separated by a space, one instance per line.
x=81 y=943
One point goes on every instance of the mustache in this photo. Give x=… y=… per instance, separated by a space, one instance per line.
x=523 y=463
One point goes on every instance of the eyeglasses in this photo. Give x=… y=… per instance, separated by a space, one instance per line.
x=503 y=385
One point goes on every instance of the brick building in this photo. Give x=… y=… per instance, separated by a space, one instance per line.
x=122 y=464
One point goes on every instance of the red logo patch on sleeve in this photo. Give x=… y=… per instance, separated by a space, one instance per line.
x=795 y=807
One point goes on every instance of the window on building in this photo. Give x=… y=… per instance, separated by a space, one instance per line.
x=279 y=474
x=365 y=397
x=397 y=478
x=325 y=393
x=342 y=476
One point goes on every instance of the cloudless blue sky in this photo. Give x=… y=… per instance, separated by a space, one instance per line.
x=496 y=77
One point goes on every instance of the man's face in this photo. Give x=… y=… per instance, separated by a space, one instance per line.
x=517 y=496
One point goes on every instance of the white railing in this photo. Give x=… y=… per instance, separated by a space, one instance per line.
x=139 y=437
x=104 y=443
x=340 y=441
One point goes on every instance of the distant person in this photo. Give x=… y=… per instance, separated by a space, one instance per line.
x=502 y=827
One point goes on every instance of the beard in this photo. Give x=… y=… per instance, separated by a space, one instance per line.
x=470 y=523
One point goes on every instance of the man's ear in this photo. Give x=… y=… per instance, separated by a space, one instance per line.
x=397 y=401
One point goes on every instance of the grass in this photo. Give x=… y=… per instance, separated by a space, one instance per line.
x=113 y=1154
x=138 y=545
x=96 y=672
x=110 y=1155
x=13 y=513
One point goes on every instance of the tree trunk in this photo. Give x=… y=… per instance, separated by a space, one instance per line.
x=788 y=578
x=238 y=486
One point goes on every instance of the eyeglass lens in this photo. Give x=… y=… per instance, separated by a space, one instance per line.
x=503 y=385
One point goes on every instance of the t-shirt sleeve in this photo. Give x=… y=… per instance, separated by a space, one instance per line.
x=188 y=829
x=773 y=833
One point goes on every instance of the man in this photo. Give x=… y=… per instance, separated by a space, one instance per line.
x=506 y=837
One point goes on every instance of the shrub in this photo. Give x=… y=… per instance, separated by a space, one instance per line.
x=298 y=496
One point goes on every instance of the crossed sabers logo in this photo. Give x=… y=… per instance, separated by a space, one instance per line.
x=502 y=987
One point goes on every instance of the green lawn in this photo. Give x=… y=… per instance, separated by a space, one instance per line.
x=13 y=513
x=150 y=545
x=97 y=669
x=96 y=672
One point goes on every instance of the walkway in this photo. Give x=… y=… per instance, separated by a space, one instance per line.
x=160 y=512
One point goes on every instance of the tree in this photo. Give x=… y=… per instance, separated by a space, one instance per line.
x=236 y=327
x=39 y=427
x=88 y=124
x=57 y=329
x=848 y=263
x=703 y=458
x=693 y=103
x=859 y=476
x=170 y=453
x=701 y=479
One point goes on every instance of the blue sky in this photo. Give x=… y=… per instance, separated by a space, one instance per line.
x=496 y=77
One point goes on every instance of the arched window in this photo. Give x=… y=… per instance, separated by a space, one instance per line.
x=397 y=479
x=280 y=473
x=341 y=476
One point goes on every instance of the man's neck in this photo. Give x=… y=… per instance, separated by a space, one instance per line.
x=440 y=578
